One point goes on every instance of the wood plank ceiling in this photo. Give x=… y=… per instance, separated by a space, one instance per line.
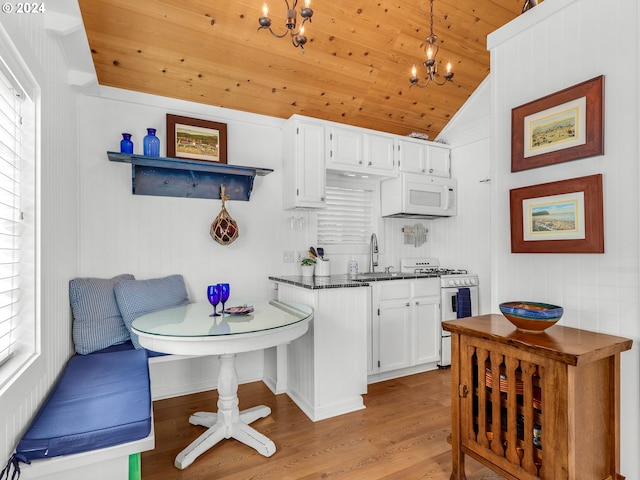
x=354 y=70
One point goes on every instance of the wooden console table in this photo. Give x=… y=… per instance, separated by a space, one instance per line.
x=535 y=406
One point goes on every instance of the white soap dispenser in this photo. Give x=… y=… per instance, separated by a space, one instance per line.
x=352 y=267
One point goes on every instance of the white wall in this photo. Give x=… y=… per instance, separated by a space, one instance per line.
x=58 y=259
x=553 y=46
x=464 y=241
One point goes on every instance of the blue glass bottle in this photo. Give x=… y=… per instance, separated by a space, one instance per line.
x=151 y=143
x=126 y=145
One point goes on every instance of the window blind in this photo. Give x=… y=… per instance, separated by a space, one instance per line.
x=10 y=161
x=347 y=218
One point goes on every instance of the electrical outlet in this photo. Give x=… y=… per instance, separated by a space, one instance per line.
x=287 y=256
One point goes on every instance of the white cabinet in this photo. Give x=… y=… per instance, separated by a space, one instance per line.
x=360 y=150
x=394 y=330
x=346 y=147
x=427 y=324
x=380 y=151
x=325 y=369
x=420 y=156
x=304 y=175
x=405 y=325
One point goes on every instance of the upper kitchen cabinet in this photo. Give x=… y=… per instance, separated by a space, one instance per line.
x=360 y=151
x=420 y=156
x=304 y=176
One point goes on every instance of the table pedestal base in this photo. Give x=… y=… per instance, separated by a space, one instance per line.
x=229 y=422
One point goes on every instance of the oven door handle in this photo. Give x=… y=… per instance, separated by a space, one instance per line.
x=454 y=303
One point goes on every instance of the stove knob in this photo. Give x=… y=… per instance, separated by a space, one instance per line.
x=457 y=281
x=467 y=281
x=451 y=283
x=473 y=281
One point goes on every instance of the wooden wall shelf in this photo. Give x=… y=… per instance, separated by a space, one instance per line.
x=175 y=177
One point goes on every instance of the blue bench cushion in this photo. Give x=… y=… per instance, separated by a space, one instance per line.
x=101 y=400
x=139 y=297
x=97 y=322
x=128 y=345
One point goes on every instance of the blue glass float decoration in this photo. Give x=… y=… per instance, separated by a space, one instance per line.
x=531 y=317
x=151 y=143
x=126 y=145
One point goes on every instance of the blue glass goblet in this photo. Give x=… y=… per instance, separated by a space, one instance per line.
x=213 y=294
x=224 y=293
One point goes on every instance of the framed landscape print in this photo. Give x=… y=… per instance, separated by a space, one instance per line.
x=566 y=125
x=195 y=139
x=558 y=217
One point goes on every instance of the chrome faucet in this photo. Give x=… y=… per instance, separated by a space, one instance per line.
x=373 y=249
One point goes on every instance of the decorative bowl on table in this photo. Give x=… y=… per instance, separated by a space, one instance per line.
x=532 y=317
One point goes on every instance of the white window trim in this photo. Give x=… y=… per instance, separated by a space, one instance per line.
x=30 y=337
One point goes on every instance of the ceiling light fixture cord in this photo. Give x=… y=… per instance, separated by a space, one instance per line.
x=431 y=48
x=298 y=39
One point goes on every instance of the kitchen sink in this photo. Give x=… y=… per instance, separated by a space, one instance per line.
x=371 y=276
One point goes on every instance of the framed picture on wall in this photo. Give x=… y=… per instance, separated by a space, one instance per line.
x=566 y=125
x=196 y=139
x=558 y=217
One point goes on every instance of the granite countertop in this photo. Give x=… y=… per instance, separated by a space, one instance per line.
x=316 y=283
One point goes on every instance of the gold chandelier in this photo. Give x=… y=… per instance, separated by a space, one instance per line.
x=298 y=39
x=431 y=47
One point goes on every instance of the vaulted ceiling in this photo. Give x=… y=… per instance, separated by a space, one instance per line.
x=354 y=70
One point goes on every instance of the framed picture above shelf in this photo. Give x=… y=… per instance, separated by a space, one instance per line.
x=174 y=177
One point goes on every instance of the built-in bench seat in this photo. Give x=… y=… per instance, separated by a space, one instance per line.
x=99 y=412
x=101 y=404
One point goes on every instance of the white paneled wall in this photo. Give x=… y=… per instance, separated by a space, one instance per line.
x=151 y=236
x=58 y=228
x=464 y=241
x=550 y=48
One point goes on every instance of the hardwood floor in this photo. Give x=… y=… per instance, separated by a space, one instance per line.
x=400 y=435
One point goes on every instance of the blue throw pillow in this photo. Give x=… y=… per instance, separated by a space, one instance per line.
x=97 y=322
x=139 y=297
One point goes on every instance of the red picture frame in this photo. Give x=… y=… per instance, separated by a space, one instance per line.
x=566 y=125
x=535 y=208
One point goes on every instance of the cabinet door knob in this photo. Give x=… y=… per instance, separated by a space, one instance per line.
x=462 y=391
x=369 y=164
x=431 y=170
x=360 y=162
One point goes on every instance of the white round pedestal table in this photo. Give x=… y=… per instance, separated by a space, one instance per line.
x=189 y=330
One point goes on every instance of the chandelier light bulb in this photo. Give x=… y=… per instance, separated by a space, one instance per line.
x=431 y=47
x=297 y=39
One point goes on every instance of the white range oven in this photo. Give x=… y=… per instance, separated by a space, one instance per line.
x=450 y=307
x=458 y=295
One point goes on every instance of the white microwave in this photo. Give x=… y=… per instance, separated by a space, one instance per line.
x=419 y=196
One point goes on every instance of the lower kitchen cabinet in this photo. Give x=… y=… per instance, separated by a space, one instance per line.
x=394 y=334
x=405 y=325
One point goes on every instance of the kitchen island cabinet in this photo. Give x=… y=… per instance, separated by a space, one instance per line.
x=325 y=370
x=535 y=405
